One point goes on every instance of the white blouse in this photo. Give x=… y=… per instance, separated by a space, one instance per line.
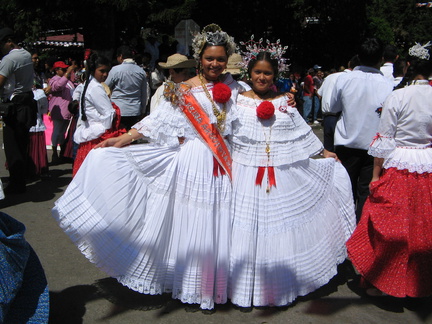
x=404 y=135
x=289 y=138
x=42 y=104
x=99 y=111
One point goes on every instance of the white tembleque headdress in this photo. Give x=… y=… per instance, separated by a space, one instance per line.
x=253 y=48
x=420 y=51
x=212 y=34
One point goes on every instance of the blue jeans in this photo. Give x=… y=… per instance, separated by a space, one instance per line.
x=307 y=107
x=309 y=103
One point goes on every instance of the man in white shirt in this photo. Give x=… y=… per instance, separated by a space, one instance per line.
x=128 y=83
x=359 y=97
x=390 y=56
x=325 y=92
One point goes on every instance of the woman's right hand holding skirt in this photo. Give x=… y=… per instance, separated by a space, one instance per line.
x=122 y=140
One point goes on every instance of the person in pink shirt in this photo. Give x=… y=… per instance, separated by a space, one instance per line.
x=61 y=96
x=308 y=94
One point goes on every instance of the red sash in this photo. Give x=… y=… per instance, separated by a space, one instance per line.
x=208 y=132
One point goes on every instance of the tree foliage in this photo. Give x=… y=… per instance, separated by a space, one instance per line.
x=324 y=32
x=399 y=22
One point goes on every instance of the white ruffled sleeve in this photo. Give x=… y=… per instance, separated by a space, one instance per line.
x=165 y=125
x=383 y=144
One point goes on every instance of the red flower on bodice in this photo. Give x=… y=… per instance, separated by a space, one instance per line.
x=221 y=93
x=265 y=110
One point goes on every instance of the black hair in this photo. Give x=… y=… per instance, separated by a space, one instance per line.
x=93 y=63
x=206 y=45
x=264 y=56
x=371 y=52
x=399 y=67
x=418 y=66
x=73 y=107
x=390 y=53
x=125 y=51
x=8 y=37
x=354 y=61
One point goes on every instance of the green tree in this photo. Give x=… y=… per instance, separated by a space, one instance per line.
x=321 y=32
x=399 y=22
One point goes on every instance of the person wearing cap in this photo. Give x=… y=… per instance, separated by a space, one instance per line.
x=178 y=69
x=61 y=95
x=128 y=83
x=16 y=82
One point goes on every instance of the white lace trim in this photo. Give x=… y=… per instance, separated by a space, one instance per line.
x=414 y=159
x=144 y=287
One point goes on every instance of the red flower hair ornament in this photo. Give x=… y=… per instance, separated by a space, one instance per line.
x=265 y=110
x=221 y=93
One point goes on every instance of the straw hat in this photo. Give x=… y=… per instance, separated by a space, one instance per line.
x=178 y=61
x=234 y=64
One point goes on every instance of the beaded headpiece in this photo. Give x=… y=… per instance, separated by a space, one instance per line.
x=213 y=35
x=420 y=51
x=253 y=48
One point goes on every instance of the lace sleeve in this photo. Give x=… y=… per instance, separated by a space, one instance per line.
x=164 y=125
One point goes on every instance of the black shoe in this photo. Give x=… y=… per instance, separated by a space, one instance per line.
x=45 y=176
x=55 y=160
x=13 y=189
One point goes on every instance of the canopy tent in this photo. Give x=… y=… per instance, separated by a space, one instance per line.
x=68 y=40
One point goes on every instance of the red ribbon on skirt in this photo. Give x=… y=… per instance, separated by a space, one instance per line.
x=217 y=168
x=270 y=174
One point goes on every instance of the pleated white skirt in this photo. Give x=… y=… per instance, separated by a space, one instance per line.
x=288 y=242
x=153 y=217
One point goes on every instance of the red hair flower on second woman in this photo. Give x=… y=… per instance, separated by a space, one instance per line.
x=221 y=93
x=265 y=110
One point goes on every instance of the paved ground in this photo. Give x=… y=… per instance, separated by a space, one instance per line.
x=80 y=293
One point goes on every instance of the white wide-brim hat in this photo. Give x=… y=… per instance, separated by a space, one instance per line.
x=178 y=61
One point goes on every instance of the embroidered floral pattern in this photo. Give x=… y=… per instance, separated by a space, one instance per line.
x=379 y=111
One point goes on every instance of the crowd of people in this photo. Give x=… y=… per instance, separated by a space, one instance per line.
x=212 y=185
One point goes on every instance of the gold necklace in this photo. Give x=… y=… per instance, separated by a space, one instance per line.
x=220 y=115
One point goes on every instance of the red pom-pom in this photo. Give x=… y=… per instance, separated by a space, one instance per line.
x=265 y=110
x=221 y=93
